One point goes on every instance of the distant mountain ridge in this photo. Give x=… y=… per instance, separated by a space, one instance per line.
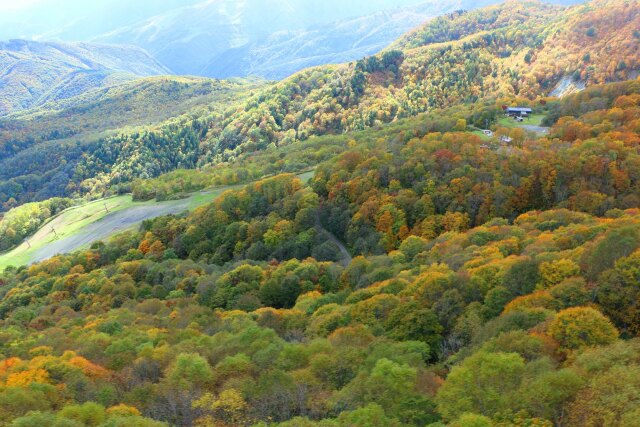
x=140 y=102
x=284 y=53
x=275 y=38
x=234 y=38
x=34 y=73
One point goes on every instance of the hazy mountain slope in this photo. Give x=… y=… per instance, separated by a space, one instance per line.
x=285 y=52
x=274 y=38
x=33 y=73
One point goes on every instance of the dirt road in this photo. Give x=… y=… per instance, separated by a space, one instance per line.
x=541 y=130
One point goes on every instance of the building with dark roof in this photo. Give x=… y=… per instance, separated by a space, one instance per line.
x=518 y=111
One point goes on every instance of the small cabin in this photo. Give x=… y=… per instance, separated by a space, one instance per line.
x=518 y=111
x=506 y=139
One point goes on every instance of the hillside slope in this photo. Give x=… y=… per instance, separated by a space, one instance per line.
x=33 y=73
x=79 y=226
x=500 y=51
x=492 y=53
x=514 y=49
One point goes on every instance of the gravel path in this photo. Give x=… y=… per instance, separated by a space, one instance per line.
x=109 y=225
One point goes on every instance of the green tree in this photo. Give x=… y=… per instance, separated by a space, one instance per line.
x=371 y=415
x=412 y=246
x=521 y=278
x=472 y=420
x=555 y=272
x=616 y=244
x=189 y=370
x=461 y=125
x=88 y=414
x=612 y=398
x=392 y=386
x=547 y=394
x=618 y=293
x=411 y=322
x=484 y=383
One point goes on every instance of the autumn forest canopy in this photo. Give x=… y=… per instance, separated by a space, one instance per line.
x=386 y=247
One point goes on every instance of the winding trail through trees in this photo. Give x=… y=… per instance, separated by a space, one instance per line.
x=346 y=256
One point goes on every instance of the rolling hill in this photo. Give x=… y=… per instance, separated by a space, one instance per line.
x=140 y=102
x=48 y=151
x=34 y=73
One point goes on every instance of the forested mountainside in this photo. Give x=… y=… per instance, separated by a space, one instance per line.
x=515 y=49
x=518 y=49
x=34 y=73
x=144 y=101
x=491 y=285
x=429 y=274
